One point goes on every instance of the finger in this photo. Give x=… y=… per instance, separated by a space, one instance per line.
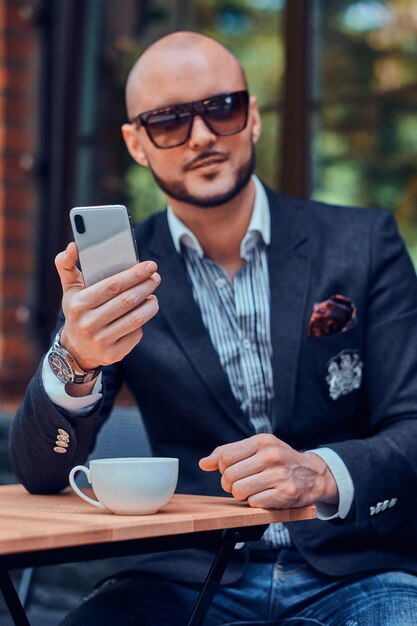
x=229 y=454
x=123 y=347
x=236 y=452
x=130 y=322
x=69 y=273
x=250 y=485
x=276 y=498
x=129 y=301
x=113 y=286
x=266 y=499
x=242 y=469
x=211 y=463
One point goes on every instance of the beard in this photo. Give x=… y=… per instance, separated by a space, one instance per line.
x=178 y=191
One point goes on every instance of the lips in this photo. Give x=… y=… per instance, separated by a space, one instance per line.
x=206 y=162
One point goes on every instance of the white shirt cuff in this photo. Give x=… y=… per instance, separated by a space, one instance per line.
x=55 y=390
x=344 y=484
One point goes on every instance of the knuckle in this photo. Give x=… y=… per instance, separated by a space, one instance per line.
x=226 y=484
x=238 y=492
x=228 y=476
x=112 y=287
x=76 y=306
x=291 y=490
x=269 y=455
x=137 y=319
x=97 y=341
x=255 y=502
x=127 y=301
x=226 y=458
x=222 y=464
x=265 y=439
x=137 y=272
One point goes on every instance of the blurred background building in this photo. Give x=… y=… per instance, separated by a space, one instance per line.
x=337 y=86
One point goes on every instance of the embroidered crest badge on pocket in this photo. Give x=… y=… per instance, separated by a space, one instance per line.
x=344 y=373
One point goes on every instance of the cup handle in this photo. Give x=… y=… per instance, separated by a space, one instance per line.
x=81 y=468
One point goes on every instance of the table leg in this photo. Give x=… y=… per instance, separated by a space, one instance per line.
x=212 y=582
x=11 y=598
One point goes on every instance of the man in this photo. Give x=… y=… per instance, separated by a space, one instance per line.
x=283 y=356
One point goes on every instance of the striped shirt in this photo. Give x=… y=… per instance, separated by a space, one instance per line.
x=237 y=317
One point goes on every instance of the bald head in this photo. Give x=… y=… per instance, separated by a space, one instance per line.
x=174 y=64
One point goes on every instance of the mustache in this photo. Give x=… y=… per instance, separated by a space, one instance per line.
x=203 y=156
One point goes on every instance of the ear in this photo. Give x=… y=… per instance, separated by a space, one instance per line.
x=254 y=119
x=132 y=137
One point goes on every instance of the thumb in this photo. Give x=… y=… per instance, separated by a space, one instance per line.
x=70 y=275
x=210 y=463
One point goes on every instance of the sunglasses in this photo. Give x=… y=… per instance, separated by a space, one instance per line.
x=170 y=126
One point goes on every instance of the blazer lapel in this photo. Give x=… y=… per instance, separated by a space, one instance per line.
x=179 y=309
x=289 y=275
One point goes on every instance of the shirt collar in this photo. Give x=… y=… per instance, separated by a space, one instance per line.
x=260 y=223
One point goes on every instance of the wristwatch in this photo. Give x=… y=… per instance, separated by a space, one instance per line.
x=66 y=368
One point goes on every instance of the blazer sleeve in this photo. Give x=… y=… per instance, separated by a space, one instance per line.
x=383 y=466
x=36 y=425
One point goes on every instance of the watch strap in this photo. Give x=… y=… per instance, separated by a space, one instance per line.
x=79 y=375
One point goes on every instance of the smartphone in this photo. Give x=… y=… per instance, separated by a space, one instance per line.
x=105 y=240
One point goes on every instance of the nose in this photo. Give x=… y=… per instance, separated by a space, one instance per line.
x=201 y=136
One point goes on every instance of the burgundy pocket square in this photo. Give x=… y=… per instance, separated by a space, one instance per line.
x=335 y=315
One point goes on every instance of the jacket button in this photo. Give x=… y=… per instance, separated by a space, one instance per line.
x=60 y=450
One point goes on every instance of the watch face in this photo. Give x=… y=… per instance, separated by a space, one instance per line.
x=60 y=367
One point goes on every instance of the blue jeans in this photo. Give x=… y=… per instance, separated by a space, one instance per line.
x=285 y=593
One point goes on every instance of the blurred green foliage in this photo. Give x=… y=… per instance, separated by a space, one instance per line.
x=364 y=146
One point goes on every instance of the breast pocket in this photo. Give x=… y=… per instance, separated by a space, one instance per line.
x=337 y=367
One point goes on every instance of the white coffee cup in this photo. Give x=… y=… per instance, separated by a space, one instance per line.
x=131 y=486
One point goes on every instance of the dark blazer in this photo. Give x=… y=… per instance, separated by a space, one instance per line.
x=188 y=406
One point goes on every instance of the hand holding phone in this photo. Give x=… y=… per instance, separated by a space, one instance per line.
x=104 y=316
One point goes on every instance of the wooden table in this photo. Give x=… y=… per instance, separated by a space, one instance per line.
x=45 y=530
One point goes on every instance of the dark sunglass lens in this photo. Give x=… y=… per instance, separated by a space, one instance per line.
x=227 y=114
x=169 y=127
